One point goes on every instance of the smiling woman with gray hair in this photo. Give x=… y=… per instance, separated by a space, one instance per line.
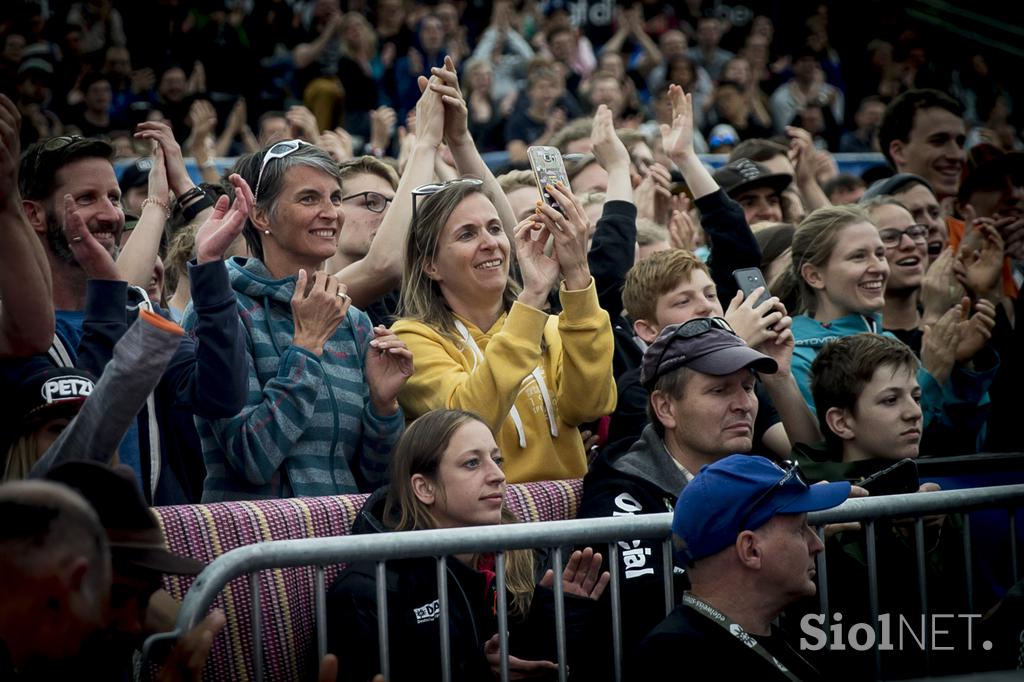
x=322 y=414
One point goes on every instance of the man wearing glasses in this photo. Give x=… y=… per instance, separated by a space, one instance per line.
x=702 y=407
x=741 y=527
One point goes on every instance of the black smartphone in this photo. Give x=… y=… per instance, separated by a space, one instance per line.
x=748 y=279
x=548 y=168
x=896 y=479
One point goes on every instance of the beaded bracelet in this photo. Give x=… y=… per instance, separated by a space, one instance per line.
x=161 y=204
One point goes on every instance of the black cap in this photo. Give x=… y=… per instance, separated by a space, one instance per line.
x=742 y=174
x=135 y=174
x=893 y=185
x=51 y=391
x=134 y=535
x=705 y=345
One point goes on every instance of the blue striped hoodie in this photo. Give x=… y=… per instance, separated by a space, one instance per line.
x=308 y=427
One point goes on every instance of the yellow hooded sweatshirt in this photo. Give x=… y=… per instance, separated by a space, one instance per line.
x=504 y=373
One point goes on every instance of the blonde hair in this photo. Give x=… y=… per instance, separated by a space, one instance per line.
x=649 y=232
x=656 y=276
x=513 y=180
x=180 y=251
x=21 y=457
x=420 y=451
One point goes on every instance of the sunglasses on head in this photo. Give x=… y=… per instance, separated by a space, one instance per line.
x=792 y=471
x=435 y=187
x=692 y=328
x=277 y=151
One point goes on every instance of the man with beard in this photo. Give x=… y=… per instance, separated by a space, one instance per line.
x=69 y=191
x=138 y=605
x=54 y=577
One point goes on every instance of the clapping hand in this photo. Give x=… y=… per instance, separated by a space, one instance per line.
x=582 y=576
x=445 y=82
x=677 y=139
x=96 y=261
x=225 y=223
x=389 y=365
x=570 y=229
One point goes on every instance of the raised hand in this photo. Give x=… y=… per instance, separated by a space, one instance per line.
x=158 y=189
x=225 y=223
x=96 y=261
x=682 y=233
x=429 y=125
x=303 y=123
x=976 y=330
x=940 y=289
x=608 y=148
x=677 y=138
x=939 y=344
x=337 y=143
x=160 y=132
x=318 y=312
x=654 y=195
x=570 y=228
x=981 y=255
x=539 y=270
x=582 y=576
x=382 y=127
x=456 y=114
x=389 y=365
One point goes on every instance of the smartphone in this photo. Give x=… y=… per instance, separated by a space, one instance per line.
x=748 y=279
x=548 y=168
x=896 y=479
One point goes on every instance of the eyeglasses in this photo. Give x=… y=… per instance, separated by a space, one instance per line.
x=791 y=472
x=692 y=328
x=378 y=203
x=435 y=187
x=278 y=151
x=892 y=237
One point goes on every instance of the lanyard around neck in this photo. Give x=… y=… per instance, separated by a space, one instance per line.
x=734 y=629
x=537 y=375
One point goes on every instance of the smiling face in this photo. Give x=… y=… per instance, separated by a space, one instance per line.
x=304 y=223
x=925 y=209
x=886 y=419
x=694 y=297
x=472 y=259
x=853 y=280
x=713 y=417
x=93 y=187
x=907 y=257
x=469 y=488
x=934 y=149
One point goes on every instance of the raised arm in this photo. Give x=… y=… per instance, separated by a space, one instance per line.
x=381 y=270
x=137 y=258
x=464 y=152
x=26 y=290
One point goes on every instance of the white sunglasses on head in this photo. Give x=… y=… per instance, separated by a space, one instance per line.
x=277 y=151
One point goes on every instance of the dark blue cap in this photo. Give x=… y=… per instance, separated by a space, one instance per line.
x=743 y=492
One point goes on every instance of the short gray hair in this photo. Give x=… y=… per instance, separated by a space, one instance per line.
x=271 y=184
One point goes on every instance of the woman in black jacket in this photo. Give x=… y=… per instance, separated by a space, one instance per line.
x=446 y=473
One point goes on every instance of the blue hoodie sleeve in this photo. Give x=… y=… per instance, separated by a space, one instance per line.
x=104 y=324
x=956 y=413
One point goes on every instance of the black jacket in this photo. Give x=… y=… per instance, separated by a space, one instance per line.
x=699 y=649
x=642 y=480
x=414 y=616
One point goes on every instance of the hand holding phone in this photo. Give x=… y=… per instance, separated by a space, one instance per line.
x=897 y=479
x=748 y=279
x=548 y=169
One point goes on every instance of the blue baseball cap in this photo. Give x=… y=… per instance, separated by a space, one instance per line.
x=743 y=492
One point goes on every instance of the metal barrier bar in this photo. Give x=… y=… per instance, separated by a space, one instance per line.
x=616 y=596
x=442 y=602
x=382 y=620
x=922 y=587
x=499 y=569
x=872 y=557
x=320 y=601
x=822 y=571
x=668 y=567
x=1014 y=566
x=968 y=564
x=556 y=565
x=324 y=551
x=257 y=626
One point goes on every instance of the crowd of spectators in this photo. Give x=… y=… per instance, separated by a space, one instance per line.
x=377 y=296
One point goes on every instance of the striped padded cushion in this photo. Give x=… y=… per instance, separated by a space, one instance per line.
x=205 y=531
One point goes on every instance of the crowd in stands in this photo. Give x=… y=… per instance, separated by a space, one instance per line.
x=376 y=295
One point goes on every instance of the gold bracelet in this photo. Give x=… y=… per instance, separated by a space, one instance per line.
x=161 y=204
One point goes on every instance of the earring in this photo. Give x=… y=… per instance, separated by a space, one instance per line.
x=266 y=231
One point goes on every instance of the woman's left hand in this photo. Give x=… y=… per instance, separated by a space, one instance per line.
x=456 y=113
x=388 y=366
x=582 y=576
x=570 y=228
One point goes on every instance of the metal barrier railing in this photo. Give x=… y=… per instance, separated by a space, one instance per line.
x=321 y=552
